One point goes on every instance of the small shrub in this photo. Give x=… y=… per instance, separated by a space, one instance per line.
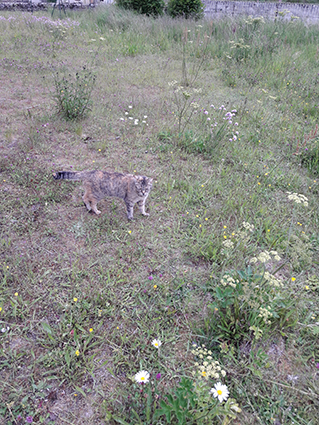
x=185 y=8
x=73 y=93
x=147 y=7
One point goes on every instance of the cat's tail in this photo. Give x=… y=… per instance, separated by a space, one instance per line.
x=70 y=175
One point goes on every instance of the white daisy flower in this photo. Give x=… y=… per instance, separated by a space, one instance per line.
x=142 y=377
x=156 y=343
x=220 y=391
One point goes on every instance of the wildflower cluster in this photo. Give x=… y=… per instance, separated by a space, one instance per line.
x=265 y=256
x=228 y=244
x=205 y=365
x=135 y=121
x=298 y=198
x=249 y=227
x=228 y=280
x=218 y=119
x=255 y=21
x=240 y=236
x=265 y=314
x=257 y=331
x=272 y=280
x=240 y=49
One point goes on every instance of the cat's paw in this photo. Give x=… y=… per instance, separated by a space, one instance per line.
x=97 y=212
x=146 y=214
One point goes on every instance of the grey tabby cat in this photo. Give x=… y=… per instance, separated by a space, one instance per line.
x=99 y=184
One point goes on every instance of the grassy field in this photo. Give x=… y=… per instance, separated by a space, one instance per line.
x=223 y=116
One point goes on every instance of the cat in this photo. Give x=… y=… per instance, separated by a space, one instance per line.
x=99 y=184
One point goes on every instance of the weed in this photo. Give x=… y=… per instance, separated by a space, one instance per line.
x=73 y=93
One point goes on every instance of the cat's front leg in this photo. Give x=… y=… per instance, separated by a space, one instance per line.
x=141 y=205
x=129 y=208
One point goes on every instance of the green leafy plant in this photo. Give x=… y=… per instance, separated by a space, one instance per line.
x=179 y=405
x=147 y=7
x=73 y=93
x=185 y=8
x=193 y=402
x=252 y=301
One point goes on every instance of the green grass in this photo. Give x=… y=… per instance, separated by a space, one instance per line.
x=82 y=297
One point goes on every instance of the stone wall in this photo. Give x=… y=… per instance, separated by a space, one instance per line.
x=306 y=12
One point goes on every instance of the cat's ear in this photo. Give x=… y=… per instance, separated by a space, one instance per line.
x=150 y=180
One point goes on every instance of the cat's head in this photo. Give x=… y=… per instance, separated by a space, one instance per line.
x=143 y=185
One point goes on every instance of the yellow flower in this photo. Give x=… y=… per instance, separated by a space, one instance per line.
x=130 y=231
x=75 y=299
x=225 y=227
x=155 y=286
x=16 y=294
x=293 y=279
x=77 y=353
x=90 y=330
x=206 y=218
x=0 y=308
x=307 y=287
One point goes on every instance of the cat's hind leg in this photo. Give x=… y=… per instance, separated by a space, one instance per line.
x=89 y=200
x=94 y=206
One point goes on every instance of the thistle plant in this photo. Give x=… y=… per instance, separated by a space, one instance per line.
x=73 y=93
